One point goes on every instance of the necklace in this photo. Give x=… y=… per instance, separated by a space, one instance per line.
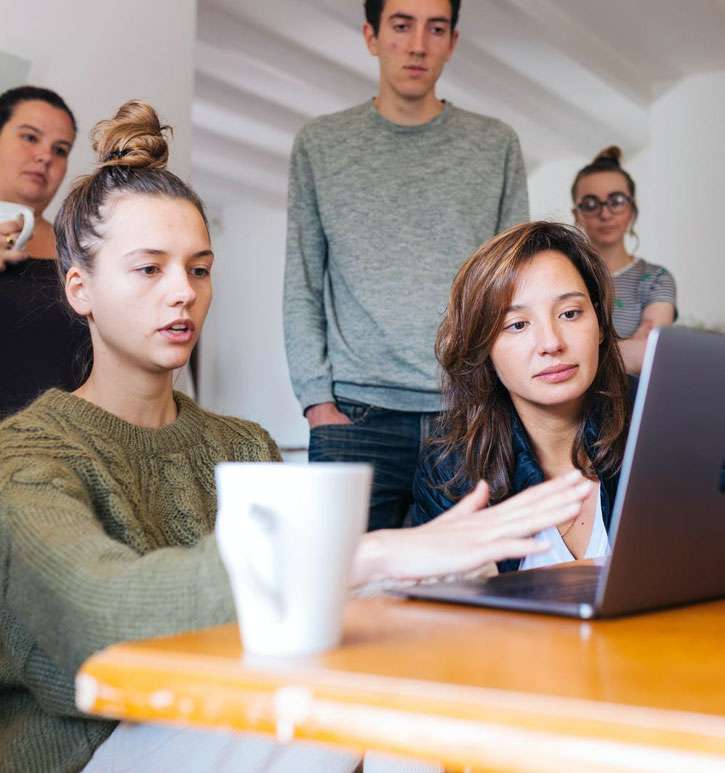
x=563 y=534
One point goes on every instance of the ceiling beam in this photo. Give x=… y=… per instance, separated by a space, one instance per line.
x=550 y=22
x=218 y=191
x=235 y=47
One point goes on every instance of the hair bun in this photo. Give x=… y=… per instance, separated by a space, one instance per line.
x=612 y=153
x=133 y=137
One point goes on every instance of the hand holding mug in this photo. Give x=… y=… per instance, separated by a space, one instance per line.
x=16 y=227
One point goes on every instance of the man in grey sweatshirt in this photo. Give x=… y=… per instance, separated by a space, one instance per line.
x=386 y=200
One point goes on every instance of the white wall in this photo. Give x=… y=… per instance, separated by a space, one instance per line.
x=688 y=176
x=13 y=70
x=97 y=55
x=550 y=195
x=243 y=364
x=679 y=178
x=549 y=185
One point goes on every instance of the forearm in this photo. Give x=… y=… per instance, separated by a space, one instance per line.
x=632 y=351
x=74 y=590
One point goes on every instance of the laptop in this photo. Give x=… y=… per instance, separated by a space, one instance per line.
x=667 y=534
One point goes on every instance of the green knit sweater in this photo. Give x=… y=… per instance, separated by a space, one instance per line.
x=106 y=534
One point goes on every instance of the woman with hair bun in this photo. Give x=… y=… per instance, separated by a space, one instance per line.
x=107 y=497
x=605 y=208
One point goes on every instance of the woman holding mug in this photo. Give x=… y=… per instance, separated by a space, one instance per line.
x=42 y=345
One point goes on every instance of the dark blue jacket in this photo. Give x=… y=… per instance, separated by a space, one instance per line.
x=431 y=501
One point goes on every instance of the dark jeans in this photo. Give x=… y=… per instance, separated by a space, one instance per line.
x=390 y=441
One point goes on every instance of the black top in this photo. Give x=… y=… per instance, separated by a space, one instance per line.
x=42 y=344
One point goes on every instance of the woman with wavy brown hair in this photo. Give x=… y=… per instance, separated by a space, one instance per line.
x=533 y=381
x=107 y=493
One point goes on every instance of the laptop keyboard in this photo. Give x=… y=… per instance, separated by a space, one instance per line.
x=576 y=584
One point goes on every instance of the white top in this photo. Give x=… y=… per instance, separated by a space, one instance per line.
x=558 y=551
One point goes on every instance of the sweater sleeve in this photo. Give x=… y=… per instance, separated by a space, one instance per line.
x=514 y=207
x=72 y=590
x=305 y=324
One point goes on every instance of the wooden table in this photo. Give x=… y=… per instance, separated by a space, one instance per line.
x=473 y=688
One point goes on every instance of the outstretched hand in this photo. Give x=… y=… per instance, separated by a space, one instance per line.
x=471 y=534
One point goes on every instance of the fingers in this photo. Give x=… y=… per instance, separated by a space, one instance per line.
x=565 y=499
x=534 y=494
x=560 y=490
x=534 y=516
x=9 y=232
x=540 y=518
x=473 y=502
x=11 y=256
x=556 y=494
x=11 y=227
x=520 y=548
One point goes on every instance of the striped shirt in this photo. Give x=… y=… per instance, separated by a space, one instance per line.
x=637 y=286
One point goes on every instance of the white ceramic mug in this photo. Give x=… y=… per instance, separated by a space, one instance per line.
x=287 y=534
x=9 y=210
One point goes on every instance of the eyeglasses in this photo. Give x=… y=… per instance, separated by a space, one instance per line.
x=616 y=202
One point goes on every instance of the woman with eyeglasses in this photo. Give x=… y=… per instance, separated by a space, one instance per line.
x=605 y=208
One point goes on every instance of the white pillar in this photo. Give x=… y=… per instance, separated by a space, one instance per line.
x=243 y=363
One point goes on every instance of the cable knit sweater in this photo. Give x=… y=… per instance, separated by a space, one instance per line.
x=106 y=534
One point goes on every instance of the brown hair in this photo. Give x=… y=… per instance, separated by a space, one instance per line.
x=607 y=160
x=132 y=152
x=477 y=420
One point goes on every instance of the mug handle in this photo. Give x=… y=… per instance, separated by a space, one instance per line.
x=25 y=234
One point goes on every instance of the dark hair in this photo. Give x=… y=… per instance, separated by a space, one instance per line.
x=477 y=407
x=374 y=10
x=132 y=154
x=11 y=98
x=607 y=160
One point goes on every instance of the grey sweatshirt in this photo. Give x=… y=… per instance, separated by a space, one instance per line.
x=380 y=217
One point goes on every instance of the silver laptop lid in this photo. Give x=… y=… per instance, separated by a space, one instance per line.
x=668 y=522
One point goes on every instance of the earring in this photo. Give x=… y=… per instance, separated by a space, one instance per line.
x=635 y=236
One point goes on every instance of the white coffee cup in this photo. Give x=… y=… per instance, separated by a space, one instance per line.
x=9 y=210
x=287 y=534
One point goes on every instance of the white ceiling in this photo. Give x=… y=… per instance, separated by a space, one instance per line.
x=571 y=76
